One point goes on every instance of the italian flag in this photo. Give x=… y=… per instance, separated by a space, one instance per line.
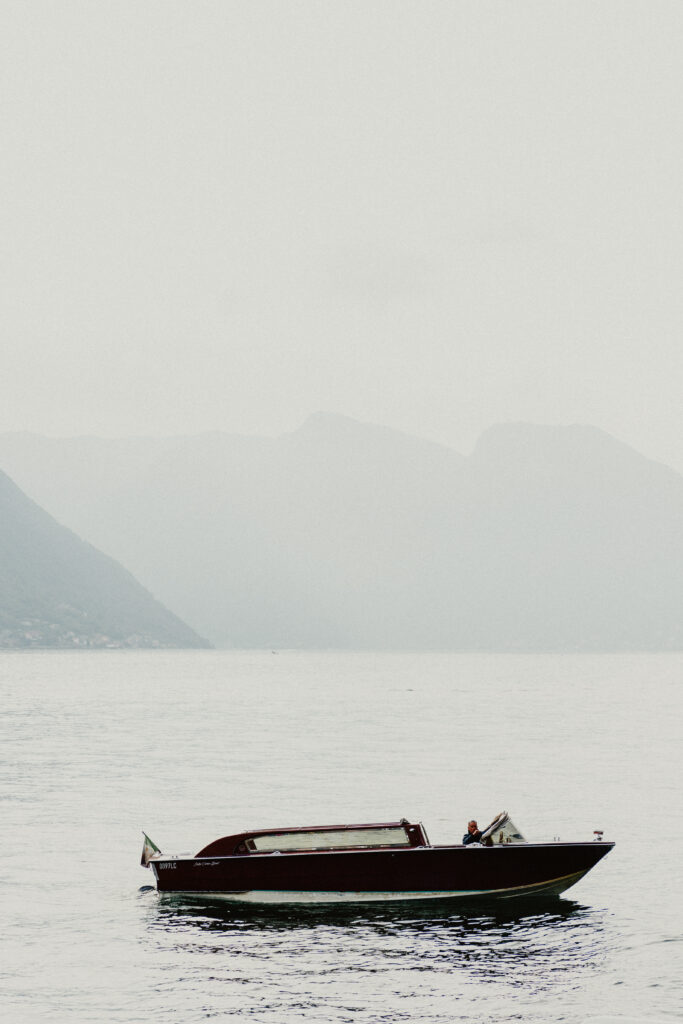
x=149 y=850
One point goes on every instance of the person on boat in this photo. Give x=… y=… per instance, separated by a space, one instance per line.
x=473 y=835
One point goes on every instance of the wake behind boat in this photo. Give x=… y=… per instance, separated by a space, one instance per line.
x=373 y=863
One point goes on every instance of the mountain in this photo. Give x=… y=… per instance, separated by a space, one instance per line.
x=347 y=534
x=57 y=591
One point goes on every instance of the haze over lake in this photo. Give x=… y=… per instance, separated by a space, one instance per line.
x=437 y=216
x=348 y=534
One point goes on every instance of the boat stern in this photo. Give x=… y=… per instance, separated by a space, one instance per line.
x=150 y=851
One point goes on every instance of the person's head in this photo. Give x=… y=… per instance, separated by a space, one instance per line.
x=472 y=826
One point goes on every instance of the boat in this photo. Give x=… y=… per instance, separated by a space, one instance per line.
x=383 y=862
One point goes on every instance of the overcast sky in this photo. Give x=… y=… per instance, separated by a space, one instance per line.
x=431 y=215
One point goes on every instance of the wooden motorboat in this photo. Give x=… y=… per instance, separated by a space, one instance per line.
x=373 y=863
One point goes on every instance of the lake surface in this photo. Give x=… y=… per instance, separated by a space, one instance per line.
x=96 y=746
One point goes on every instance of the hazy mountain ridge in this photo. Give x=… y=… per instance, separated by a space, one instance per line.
x=347 y=534
x=58 y=591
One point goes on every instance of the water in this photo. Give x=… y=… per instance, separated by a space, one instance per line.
x=192 y=745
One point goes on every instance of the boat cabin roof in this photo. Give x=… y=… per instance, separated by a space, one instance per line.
x=318 y=838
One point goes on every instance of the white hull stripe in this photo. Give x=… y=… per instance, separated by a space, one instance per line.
x=555 y=885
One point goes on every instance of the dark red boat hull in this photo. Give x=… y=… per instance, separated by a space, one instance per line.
x=433 y=872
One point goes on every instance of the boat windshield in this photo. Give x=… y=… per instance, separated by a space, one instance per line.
x=344 y=839
x=503 y=830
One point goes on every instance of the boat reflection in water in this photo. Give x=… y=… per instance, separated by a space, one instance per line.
x=373 y=863
x=521 y=944
x=209 y=914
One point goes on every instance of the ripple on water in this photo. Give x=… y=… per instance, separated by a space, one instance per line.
x=434 y=952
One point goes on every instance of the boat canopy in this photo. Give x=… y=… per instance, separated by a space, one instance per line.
x=325 y=837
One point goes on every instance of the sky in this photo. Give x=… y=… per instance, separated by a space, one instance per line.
x=437 y=216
